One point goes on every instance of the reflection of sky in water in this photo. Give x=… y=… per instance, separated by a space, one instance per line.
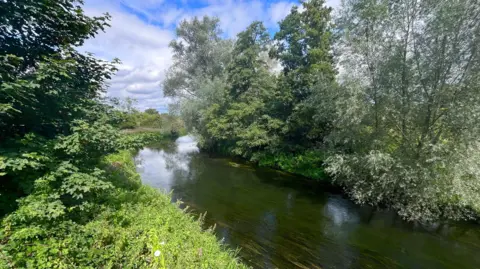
x=290 y=201
x=224 y=234
x=154 y=164
x=343 y=222
x=186 y=145
x=339 y=211
x=280 y=226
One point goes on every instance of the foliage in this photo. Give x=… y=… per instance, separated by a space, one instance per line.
x=199 y=53
x=409 y=117
x=45 y=84
x=138 y=140
x=132 y=120
x=49 y=96
x=308 y=164
x=246 y=67
x=246 y=109
x=135 y=221
x=396 y=126
x=249 y=84
x=63 y=204
x=303 y=46
x=151 y=111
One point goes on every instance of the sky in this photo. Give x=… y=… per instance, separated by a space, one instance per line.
x=142 y=29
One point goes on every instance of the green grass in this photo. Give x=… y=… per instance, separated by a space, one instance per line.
x=132 y=223
x=150 y=213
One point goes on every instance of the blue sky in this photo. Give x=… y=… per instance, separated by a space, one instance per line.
x=141 y=30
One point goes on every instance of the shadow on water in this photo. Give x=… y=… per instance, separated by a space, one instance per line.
x=280 y=224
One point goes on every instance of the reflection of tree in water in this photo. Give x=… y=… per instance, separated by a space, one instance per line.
x=177 y=163
x=279 y=224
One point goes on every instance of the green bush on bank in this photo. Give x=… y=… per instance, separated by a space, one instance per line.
x=132 y=223
x=308 y=164
x=132 y=120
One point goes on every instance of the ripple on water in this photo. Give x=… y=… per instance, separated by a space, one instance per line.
x=281 y=225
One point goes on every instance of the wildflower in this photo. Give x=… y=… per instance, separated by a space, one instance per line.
x=157 y=253
x=162 y=243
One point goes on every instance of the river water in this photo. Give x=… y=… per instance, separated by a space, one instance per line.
x=282 y=221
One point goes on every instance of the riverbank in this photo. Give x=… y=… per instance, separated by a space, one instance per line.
x=265 y=212
x=154 y=223
x=307 y=166
x=307 y=169
x=130 y=226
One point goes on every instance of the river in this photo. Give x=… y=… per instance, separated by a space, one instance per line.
x=281 y=221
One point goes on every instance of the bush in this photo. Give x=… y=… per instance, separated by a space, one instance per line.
x=151 y=120
x=308 y=163
x=132 y=223
x=439 y=187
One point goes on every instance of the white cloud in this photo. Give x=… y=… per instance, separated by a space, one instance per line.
x=235 y=16
x=280 y=10
x=143 y=50
x=141 y=43
x=334 y=3
x=170 y=16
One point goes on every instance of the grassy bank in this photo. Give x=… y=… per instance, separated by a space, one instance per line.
x=134 y=226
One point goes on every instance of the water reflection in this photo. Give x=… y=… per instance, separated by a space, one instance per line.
x=170 y=163
x=278 y=223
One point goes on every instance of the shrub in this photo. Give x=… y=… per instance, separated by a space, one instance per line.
x=134 y=222
x=440 y=187
x=308 y=163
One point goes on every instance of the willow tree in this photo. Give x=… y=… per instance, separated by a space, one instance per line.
x=197 y=77
x=199 y=54
x=409 y=111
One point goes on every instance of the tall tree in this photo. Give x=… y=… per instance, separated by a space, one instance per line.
x=199 y=53
x=411 y=74
x=247 y=68
x=303 y=46
x=51 y=114
x=241 y=123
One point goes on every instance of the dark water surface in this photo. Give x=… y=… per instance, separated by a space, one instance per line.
x=279 y=222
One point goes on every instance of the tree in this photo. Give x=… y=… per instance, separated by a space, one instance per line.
x=303 y=46
x=246 y=67
x=152 y=111
x=28 y=30
x=48 y=92
x=45 y=84
x=199 y=54
x=241 y=123
x=411 y=78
